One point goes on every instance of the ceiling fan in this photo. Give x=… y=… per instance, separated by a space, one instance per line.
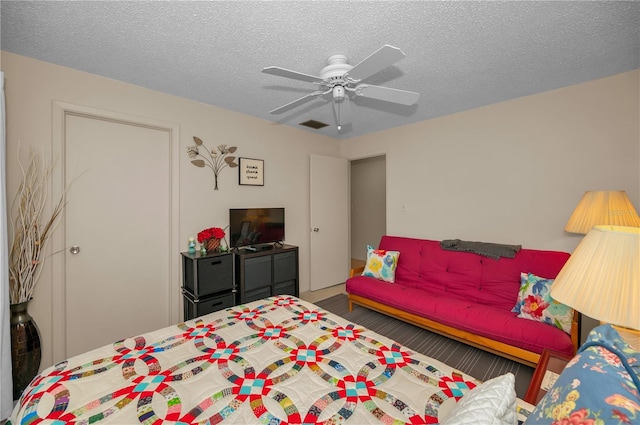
x=340 y=79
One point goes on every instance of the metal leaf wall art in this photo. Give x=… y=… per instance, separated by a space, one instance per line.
x=217 y=159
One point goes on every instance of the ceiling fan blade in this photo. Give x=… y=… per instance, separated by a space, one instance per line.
x=343 y=111
x=281 y=72
x=377 y=61
x=402 y=97
x=297 y=102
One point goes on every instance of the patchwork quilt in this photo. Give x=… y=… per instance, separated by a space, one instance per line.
x=279 y=360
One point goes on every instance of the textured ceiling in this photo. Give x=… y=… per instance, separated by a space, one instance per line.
x=460 y=55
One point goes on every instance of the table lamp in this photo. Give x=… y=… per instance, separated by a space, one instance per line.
x=601 y=279
x=602 y=207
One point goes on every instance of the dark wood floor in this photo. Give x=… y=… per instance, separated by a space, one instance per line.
x=470 y=360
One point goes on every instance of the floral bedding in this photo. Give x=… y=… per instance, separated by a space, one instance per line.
x=600 y=385
x=279 y=360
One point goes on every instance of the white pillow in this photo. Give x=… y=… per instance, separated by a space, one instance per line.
x=490 y=403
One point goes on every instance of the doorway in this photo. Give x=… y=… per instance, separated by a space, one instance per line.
x=329 y=205
x=118 y=233
x=368 y=205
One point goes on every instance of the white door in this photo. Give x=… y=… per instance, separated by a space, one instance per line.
x=329 y=262
x=118 y=216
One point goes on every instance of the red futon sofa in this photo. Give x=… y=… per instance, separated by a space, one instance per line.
x=466 y=296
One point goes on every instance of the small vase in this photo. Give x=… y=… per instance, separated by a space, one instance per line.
x=25 y=347
x=213 y=245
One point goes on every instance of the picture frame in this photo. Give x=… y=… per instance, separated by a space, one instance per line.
x=251 y=172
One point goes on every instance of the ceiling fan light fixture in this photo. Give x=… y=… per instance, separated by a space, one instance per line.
x=338 y=77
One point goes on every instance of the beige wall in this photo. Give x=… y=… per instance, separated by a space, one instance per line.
x=511 y=172
x=507 y=173
x=31 y=87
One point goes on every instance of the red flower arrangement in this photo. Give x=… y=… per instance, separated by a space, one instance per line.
x=212 y=232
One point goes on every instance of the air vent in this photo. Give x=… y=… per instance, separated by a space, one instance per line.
x=314 y=124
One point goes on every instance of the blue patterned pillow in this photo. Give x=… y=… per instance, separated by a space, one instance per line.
x=535 y=303
x=381 y=264
x=600 y=385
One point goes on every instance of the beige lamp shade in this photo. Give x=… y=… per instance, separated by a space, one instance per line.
x=602 y=207
x=602 y=277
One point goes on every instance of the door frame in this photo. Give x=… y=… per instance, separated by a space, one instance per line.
x=60 y=111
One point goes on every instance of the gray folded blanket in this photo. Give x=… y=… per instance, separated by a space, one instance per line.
x=486 y=249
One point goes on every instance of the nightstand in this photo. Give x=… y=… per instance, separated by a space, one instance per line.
x=549 y=367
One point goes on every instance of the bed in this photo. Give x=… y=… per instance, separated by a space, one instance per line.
x=279 y=360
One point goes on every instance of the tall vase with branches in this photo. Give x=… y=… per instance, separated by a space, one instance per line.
x=32 y=227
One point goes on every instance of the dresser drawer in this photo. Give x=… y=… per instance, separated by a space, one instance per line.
x=195 y=308
x=215 y=274
x=208 y=275
x=285 y=266
x=257 y=272
x=285 y=288
x=257 y=294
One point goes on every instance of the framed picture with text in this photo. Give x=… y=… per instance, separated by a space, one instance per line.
x=251 y=171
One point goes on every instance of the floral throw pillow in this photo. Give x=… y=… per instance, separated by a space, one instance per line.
x=535 y=303
x=381 y=264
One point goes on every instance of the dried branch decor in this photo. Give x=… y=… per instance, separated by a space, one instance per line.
x=30 y=234
x=216 y=159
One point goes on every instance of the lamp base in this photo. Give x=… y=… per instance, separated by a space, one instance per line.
x=630 y=336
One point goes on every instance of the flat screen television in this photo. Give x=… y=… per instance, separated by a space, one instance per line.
x=255 y=226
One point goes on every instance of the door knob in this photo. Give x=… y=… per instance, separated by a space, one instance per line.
x=315 y=229
x=74 y=249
